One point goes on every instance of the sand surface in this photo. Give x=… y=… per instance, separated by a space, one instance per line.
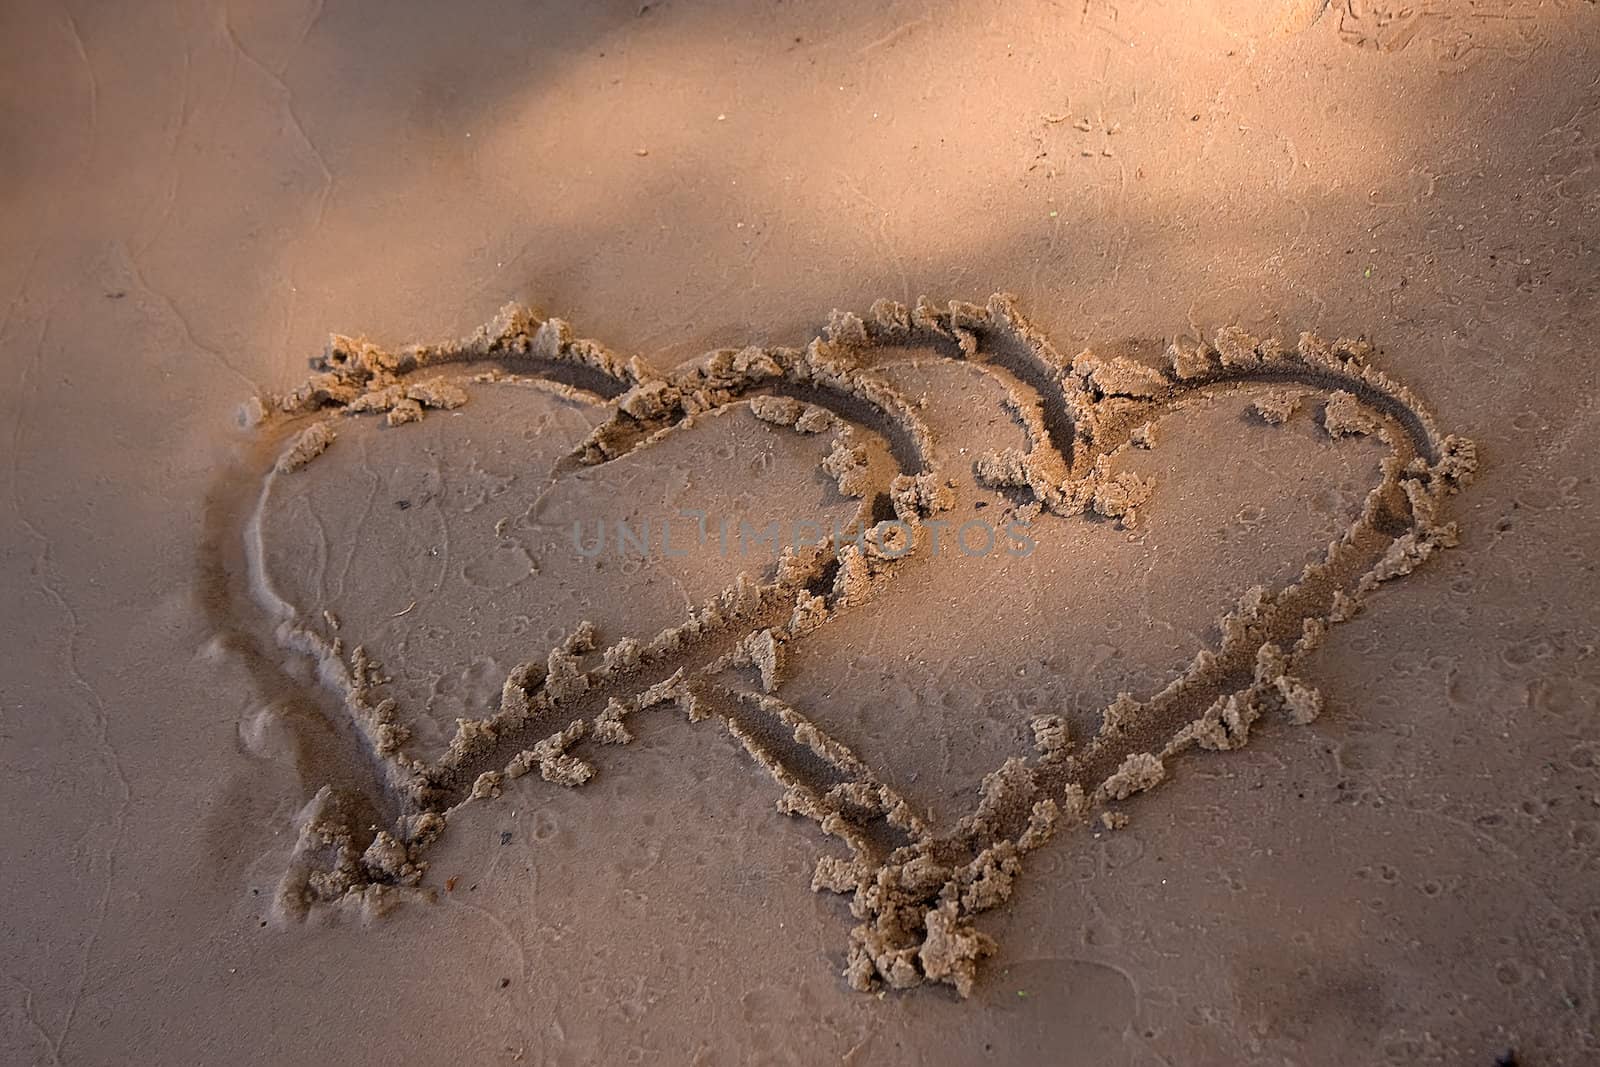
x=1250 y=343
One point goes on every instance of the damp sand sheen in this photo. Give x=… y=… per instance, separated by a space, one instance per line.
x=844 y=432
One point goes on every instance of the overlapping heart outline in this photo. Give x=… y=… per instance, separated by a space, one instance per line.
x=915 y=888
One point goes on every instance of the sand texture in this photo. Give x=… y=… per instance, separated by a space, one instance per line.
x=1021 y=535
x=916 y=882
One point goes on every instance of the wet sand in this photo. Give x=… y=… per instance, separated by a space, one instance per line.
x=327 y=737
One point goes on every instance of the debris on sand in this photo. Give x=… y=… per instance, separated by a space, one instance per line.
x=1276 y=406
x=307 y=446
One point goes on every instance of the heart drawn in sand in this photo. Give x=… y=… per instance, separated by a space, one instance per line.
x=887 y=502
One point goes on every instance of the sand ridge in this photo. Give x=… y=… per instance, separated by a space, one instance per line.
x=914 y=888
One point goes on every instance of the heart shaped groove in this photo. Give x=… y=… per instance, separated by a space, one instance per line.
x=914 y=887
